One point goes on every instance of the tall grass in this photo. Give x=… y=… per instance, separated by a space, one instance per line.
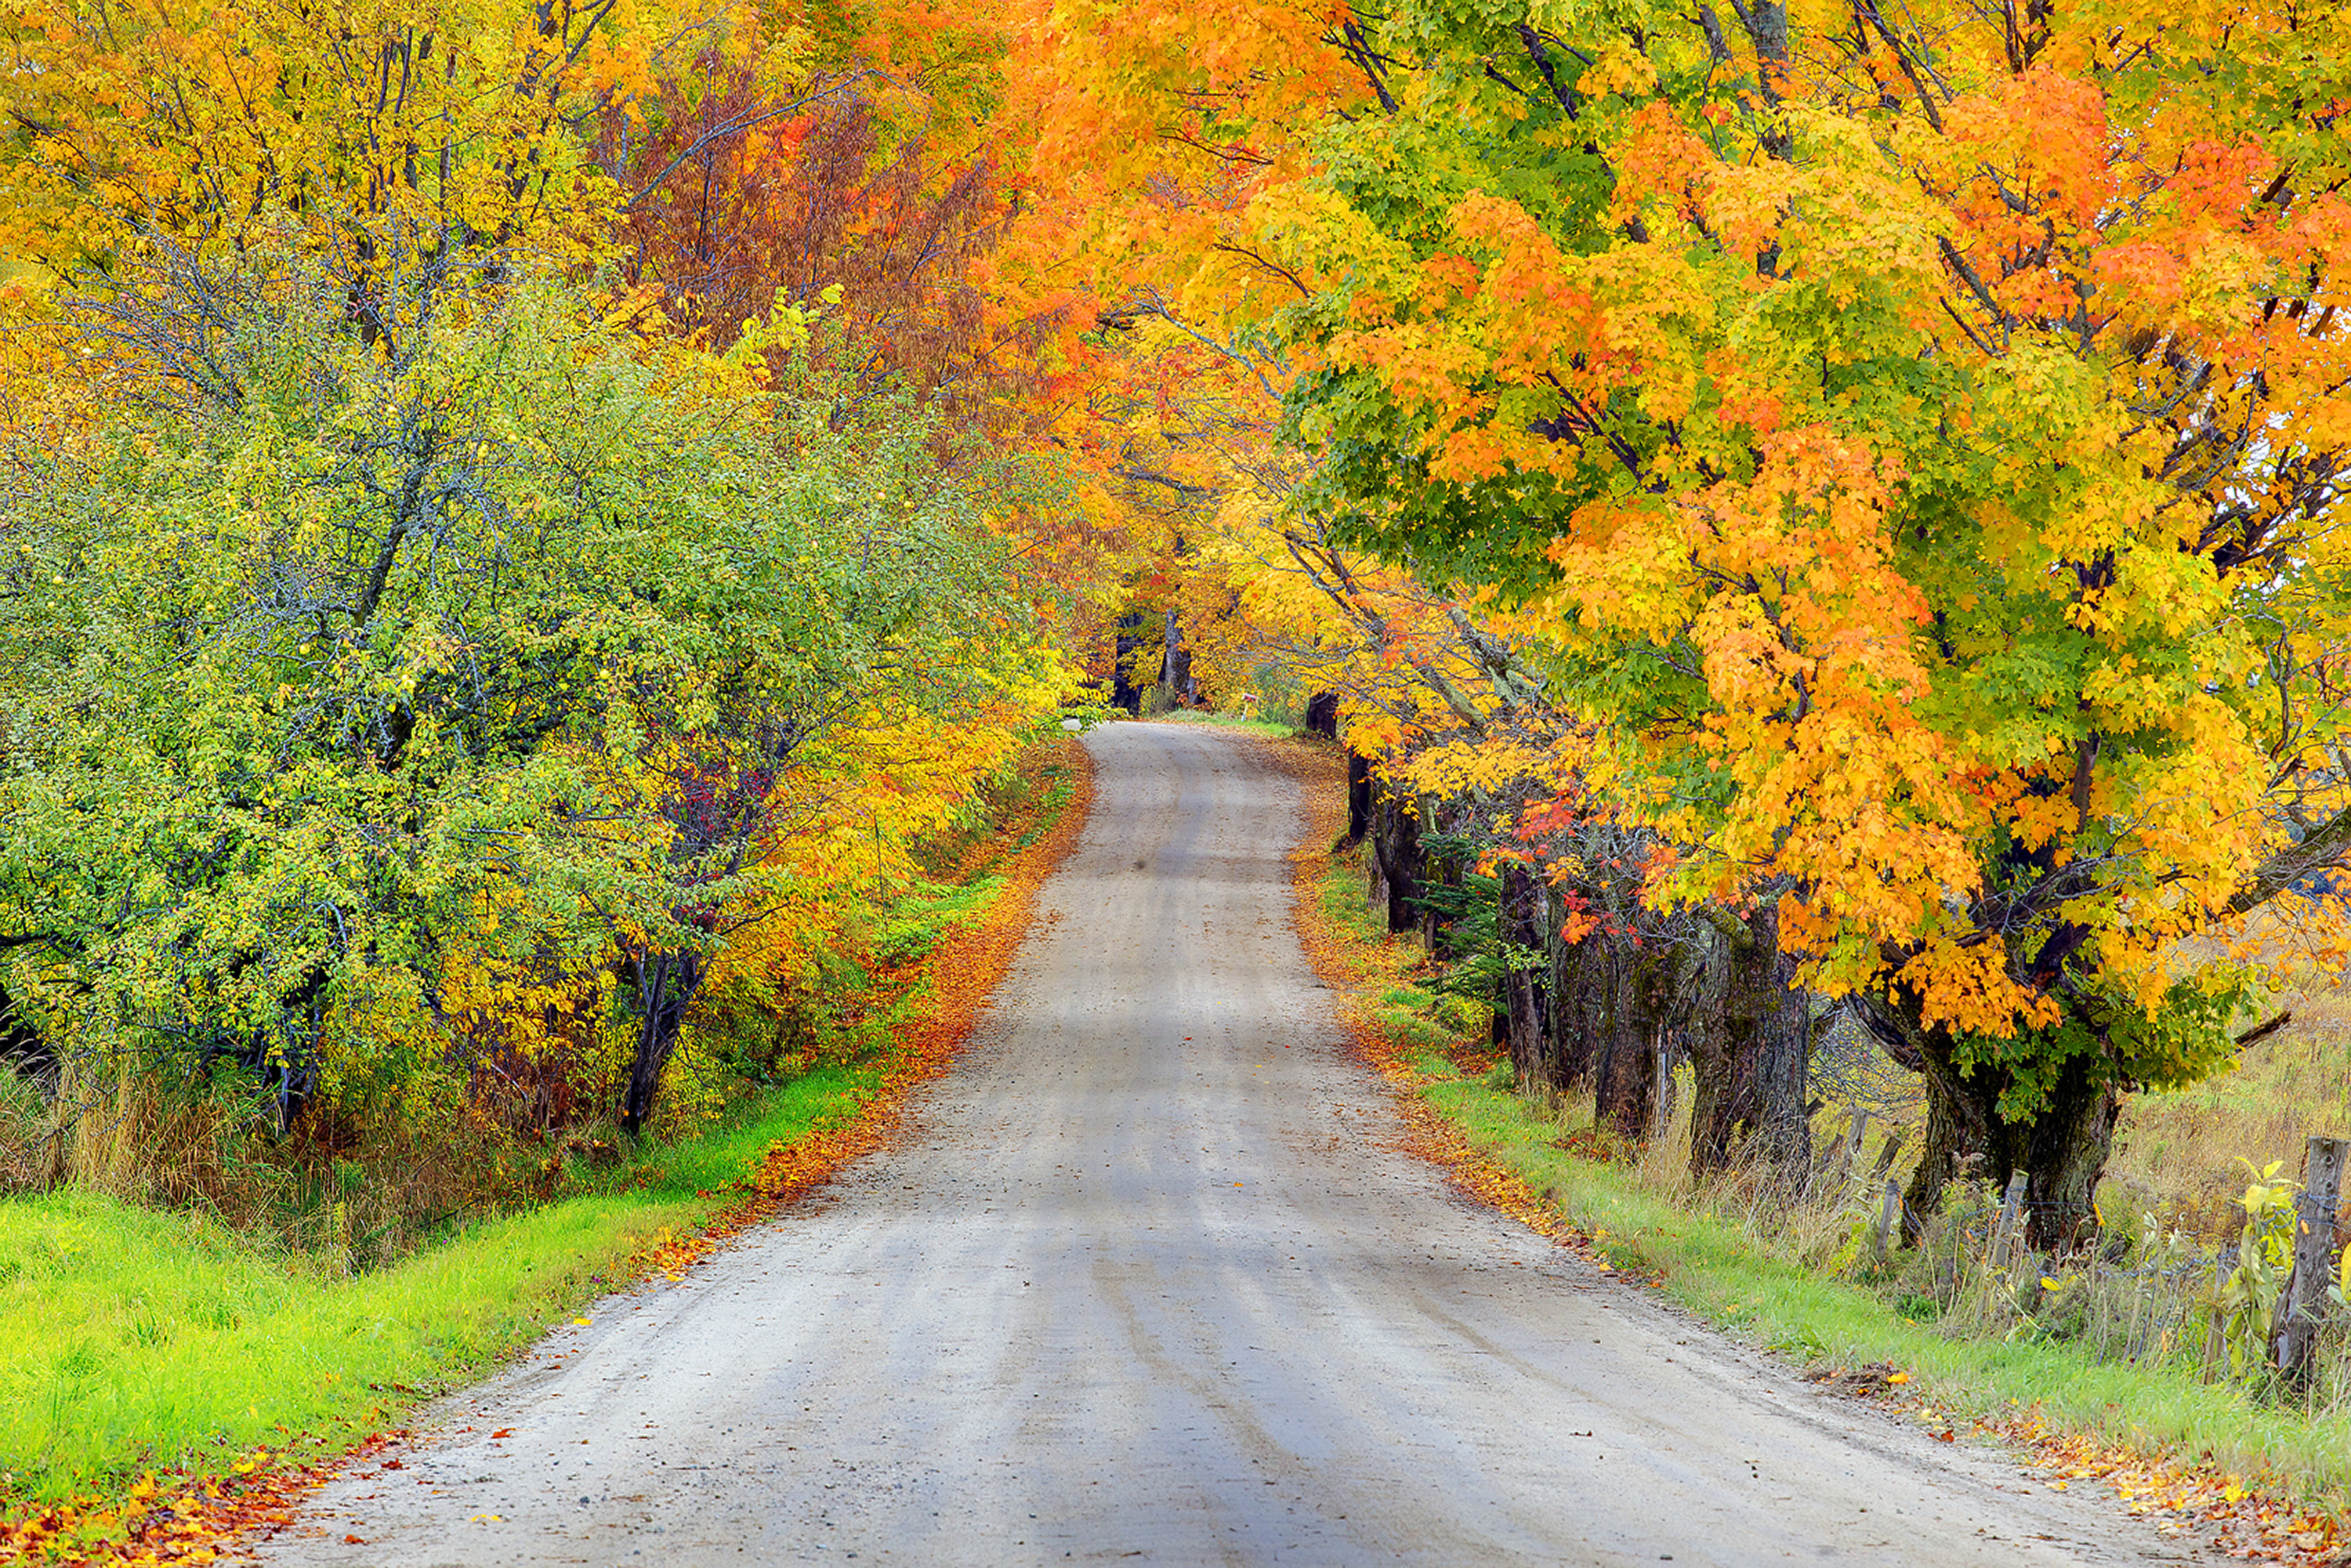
x=1801 y=1282
x=141 y=1340
x=2178 y=1150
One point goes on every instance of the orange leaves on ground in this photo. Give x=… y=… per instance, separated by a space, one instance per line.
x=962 y=972
x=2247 y=1515
x=1340 y=965
x=180 y=1522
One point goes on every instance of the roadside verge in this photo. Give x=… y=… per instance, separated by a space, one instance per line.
x=203 y=1382
x=2252 y=1481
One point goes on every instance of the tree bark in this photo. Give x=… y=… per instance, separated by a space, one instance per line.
x=1437 y=870
x=665 y=982
x=1753 y=1059
x=1175 y=686
x=1523 y=923
x=2061 y=1149
x=1396 y=861
x=1624 y=1063
x=1359 y=796
x=1322 y=715
x=1579 y=1010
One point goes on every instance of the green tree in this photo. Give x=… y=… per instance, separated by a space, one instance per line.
x=499 y=628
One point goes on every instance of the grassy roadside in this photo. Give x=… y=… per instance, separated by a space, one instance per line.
x=2267 y=1481
x=141 y=1340
x=171 y=1382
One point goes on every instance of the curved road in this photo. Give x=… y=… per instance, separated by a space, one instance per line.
x=1148 y=1280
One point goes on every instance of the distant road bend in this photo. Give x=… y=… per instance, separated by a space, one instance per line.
x=1148 y=1280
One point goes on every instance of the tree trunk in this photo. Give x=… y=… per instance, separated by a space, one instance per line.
x=1359 y=796
x=1125 y=645
x=1396 y=862
x=1624 y=1065
x=665 y=984
x=1322 y=715
x=1579 y=1010
x=1523 y=921
x=1175 y=686
x=2062 y=1151
x=1437 y=871
x=1754 y=1066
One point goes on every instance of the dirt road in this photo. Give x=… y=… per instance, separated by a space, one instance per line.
x=1148 y=1283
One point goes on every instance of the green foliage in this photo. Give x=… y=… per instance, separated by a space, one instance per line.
x=2191 y=1034
x=2248 y=1297
x=406 y=680
x=926 y=912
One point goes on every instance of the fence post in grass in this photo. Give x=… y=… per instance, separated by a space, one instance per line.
x=1889 y=1215
x=2302 y=1305
x=1846 y=1145
x=2216 y=1337
x=2003 y=1234
x=1888 y=1153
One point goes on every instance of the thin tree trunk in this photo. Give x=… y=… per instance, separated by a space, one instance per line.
x=1522 y=923
x=665 y=982
x=1359 y=796
x=1397 y=863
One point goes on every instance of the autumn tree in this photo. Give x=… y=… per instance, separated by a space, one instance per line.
x=381 y=659
x=744 y=203
x=1912 y=443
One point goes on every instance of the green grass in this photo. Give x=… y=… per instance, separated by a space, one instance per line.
x=141 y=1341
x=921 y=916
x=1717 y=1267
x=1267 y=727
x=1712 y=1267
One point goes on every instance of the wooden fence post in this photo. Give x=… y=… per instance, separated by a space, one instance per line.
x=2216 y=1337
x=1889 y=1215
x=1846 y=1145
x=2003 y=1235
x=2302 y=1305
x=1888 y=1153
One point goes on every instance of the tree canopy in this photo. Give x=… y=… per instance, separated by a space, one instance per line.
x=1877 y=468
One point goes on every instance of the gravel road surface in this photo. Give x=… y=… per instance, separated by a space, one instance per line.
x=1148 y=1280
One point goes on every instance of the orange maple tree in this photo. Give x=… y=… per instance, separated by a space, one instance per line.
x=1911 y=443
